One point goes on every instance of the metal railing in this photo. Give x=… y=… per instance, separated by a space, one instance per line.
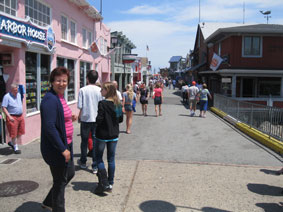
x=268 y=120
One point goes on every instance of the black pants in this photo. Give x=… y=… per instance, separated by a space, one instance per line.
x=61 y=177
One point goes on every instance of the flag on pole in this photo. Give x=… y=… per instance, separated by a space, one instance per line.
x=112 y=51
x=93 y=47
x=215 y=62
x=147 y=49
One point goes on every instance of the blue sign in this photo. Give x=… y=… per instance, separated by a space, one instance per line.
x=24 y=30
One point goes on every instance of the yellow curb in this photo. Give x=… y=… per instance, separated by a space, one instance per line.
x=266 y=140
x=218 y=112
x=270 y=142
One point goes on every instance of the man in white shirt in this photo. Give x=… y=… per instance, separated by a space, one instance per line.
x=89 y=96
x=192 y=94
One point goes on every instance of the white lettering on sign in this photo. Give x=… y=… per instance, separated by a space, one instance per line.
x=36 y=34
x=13 y=27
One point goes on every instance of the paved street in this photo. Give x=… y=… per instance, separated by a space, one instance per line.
x=170 y=163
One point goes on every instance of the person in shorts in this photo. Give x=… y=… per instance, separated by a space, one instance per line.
x=13 y=108
x=157 y=95
x=128 y=98
x=144 y=95
x=192 y=96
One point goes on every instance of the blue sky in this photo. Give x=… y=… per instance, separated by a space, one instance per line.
x=169 y=27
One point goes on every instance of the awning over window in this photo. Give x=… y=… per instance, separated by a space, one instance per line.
x=195 y=67
x=244 y=72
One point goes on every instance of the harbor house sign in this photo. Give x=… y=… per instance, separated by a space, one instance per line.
x=24 y=30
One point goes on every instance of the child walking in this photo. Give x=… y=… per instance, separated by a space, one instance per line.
x=107 y=133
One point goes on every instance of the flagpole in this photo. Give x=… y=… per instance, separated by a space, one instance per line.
x=146 y=52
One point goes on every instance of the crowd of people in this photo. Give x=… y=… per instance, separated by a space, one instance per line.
x=99 y=124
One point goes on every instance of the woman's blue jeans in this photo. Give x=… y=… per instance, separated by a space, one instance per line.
x=111 y=149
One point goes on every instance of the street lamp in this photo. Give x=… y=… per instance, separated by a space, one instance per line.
x=114 y=41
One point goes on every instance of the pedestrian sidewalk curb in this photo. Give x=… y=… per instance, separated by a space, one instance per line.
x=263 y=138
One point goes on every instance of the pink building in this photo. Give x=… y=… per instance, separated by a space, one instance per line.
x=38 y=35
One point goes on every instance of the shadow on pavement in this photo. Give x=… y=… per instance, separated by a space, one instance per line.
x=270 y=207
x=30 y=207
x=177 y=93
x=271 y=172
x=6 y=151
x=84 y=186
x=265 y=189
x=157 y=205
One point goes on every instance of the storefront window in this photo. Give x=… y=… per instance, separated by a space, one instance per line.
x=71 y=86
x=9 y=7
x=70 y=65
x=84 y=69
x=31 y=82
x=269 y=86
x=37 y=79
x=39 y=13
x=45 y=71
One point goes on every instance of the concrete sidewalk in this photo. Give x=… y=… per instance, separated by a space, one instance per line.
x=153 y=186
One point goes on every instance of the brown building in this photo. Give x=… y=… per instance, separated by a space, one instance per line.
x=252 y=68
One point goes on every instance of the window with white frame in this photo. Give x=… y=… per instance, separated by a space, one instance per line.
x=8 y=6
x=84 y=38
x=103 y=46
x=89 y=38
x=38 y=12
x=73 y=31
x=64 y=28
x=70 y=65
x=251 y=46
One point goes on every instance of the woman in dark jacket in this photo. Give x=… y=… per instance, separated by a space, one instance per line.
x=56 y=138
x=144 y=96
x=107 y=133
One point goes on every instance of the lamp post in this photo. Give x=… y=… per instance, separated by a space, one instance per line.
x=114 y=42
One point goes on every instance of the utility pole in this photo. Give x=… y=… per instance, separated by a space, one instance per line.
x=100 y=7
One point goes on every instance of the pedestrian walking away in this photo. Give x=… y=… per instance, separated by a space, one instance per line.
x=203 y=93
x=144 y=96
x=158 y=99
x=107 y=133
x=12 y=107
x=88 y=99
x=56 y=138
x=193 y=98
x=128 y=98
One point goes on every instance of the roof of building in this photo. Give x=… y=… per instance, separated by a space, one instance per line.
x=121 y=37
x=175 y=59
x=231 y=28
x=208 y=28
x=91 y=11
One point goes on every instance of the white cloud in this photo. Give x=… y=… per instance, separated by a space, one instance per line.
x=148 y=10
x=173 y=29
x=164 y=39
